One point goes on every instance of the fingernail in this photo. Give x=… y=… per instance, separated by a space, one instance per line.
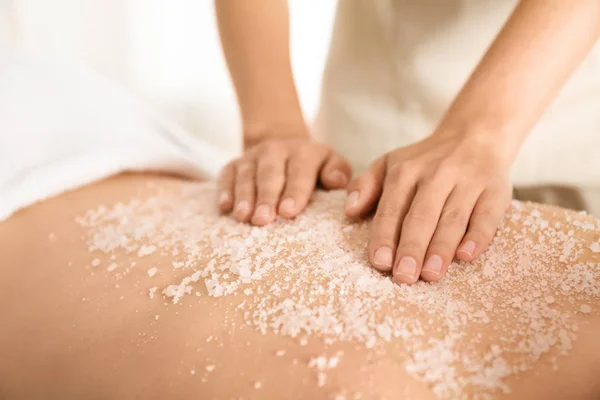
x=406 y=267
x=352 y=200
x=339 y=178
x=469 y=248
x=242 y=208
x=262 y=212
x=287 y=206
x=224 y=198
x=433 y=264
x=383 y=257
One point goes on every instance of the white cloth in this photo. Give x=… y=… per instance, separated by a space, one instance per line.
x=62 y=126
x=395 y=65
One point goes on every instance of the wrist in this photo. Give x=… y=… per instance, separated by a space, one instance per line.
x=256 y=132
x=500 y=140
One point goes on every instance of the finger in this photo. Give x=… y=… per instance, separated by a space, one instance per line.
x=450 y=230
x=336 y=172
x=225 y=187
x=487 y=215
x=270 y=178
x=244 y=189
x=364 y=191
x=301 y=178
x=417 y=229
x=385 y=227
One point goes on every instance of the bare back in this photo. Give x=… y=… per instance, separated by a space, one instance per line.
x=135 y=286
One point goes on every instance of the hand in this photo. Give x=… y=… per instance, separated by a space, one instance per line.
x=278 y=176
x=435 y=196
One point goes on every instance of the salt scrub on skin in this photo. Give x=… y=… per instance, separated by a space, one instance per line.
x=322 y=364
x=310 y=277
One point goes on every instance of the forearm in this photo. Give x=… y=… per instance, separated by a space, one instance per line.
x=531 y=58
x=255 y=38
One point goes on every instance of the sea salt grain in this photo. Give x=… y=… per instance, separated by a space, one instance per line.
x=585 y=309
x=595 y=247
x=310 y=277
x=152 y=271
x=146 y=250
x=111 y=267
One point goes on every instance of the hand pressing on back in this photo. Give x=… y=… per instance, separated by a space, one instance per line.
x=277 y=177
x=438 y=199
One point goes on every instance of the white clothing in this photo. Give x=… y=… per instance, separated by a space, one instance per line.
x=62 y=126
x=395 y=65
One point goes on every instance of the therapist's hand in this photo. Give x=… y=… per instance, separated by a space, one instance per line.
x=436 y=199
x=277 y=177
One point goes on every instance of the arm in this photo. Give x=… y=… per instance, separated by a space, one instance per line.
x=255 y=39
x=532 y=57
x=281 y=164
x=444 y=196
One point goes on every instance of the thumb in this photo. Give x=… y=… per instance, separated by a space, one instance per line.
x=364 y=191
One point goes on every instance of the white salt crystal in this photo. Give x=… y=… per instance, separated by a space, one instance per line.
x=333 y=362
x=95 y=262
x=585 y=309
x=257 y=385
x=210 y=368
x=152 y=291
x=244 y=272
x=111 y=267
x=318 y=282
x=595 y=247
x=488 y=270
x=152 y=271
x=146 y=250
x=384 y=331
x=192 y=372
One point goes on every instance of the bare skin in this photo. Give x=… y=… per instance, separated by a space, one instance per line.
x=73 y=332
x=436 y=200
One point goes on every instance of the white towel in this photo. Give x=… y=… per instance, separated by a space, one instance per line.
x=63 y=126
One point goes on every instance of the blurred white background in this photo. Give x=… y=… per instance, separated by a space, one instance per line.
x=167 y=51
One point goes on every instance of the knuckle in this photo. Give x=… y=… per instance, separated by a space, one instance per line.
x=244 y=188
x=271 y=149
x=482 y=230
x=386 y=211
x=454 y=216
x=439 y=176
x=410 y=247
x=479 y=236
x=484 y=213
x=298 y=187
x=442 y=246
x=448 y=167
x=245 y=167
x=268 y=170
x=419 y=216
x=398 y=172
x=381 y=237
